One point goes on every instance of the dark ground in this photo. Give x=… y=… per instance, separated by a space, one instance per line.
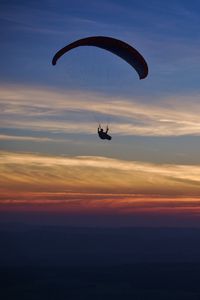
x=93 y=263
x=139 y=281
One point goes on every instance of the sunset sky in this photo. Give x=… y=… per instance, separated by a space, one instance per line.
x=52 y=162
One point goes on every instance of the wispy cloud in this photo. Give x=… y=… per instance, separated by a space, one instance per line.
x=5 y=137
x=31 y=172
x=97 y=185
x=69 y=202
x=50 y=110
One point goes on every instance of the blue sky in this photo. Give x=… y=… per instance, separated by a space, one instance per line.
x=166 y=33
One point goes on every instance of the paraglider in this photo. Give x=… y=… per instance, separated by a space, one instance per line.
x=115 y=46
x=103 y=134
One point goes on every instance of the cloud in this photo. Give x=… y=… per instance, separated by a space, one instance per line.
x=34 y=172
x=74 y=112
x=100 y=185
x=5 y=137
x=68 y=202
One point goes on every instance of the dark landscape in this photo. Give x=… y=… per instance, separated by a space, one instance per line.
x=39 y=262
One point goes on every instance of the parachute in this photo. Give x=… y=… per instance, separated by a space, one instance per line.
x=115 y=46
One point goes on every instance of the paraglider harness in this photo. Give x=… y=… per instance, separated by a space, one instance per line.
x=104 y=134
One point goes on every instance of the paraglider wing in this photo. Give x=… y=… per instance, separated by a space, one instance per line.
x=117 y=47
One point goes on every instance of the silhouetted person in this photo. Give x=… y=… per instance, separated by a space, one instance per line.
x=104 y=134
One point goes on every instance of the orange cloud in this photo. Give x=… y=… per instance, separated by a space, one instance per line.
x=34 y=172
x=96 y=184
x=85 y=203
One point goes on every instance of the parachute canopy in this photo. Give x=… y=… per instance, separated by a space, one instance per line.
x=117 y=47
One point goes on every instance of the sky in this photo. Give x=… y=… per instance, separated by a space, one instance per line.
x=52 y=162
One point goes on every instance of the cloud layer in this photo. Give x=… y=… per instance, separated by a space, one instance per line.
x=97 y=185
x=75 y=112
x=34 y=172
